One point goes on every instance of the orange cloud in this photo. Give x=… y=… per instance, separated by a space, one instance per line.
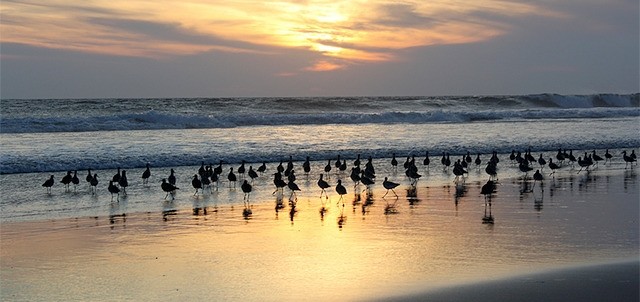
x=348 y=30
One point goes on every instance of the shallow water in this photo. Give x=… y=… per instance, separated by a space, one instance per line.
x=174 y=250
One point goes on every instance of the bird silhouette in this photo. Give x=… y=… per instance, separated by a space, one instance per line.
x=231 y=177
x=48 y=184
x=323 y=185
x=196 y=183
x=340 y=189
x=246 y=189
x=123 y=182
x=113 y=189
x=168 y=188
x=389 y=185
x=94 y=184
x=146 y=174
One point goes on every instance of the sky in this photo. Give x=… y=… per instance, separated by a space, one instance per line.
x=247 y=48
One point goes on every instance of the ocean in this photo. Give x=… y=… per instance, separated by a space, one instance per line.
x=40 y=138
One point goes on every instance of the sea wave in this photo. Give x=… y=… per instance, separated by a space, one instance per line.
x=156 y=120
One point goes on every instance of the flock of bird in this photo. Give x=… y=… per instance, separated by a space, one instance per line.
x=209 y=176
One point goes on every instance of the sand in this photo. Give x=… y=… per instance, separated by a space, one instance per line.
x=433 y=246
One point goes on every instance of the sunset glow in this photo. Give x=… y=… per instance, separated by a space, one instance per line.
x=349 y=31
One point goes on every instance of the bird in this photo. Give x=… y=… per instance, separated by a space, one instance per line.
x=537 y=177
x=553 y=166
x=146 y=174
x=560 y=156
x=524 y=167
x=241 y=169
x=206 y=183
x=389 y=185
x=168 y=188
x=355 y=176
x=492 y=170
x=607 y=156
x=252 y=174
x=232 y=177
x=340 y=189
x=75 y=180
x=172 y=178
x=262 y=167
x=123 y=182
x=218 y=169
x=323 y=184
x=293 y=187
x=357 y=161
x=89 y=176
x=196 y=183
x=246 y=188
x=278 y=182
x=113 y=189
x=306 y=166
x=327 y=168
x=48 y=184
x=366 y=181
x=94 y=184
x=116 y=177
x=426 y=160
x=627 y=159
x=66 y=180
x=583 y=163
x=541 y=161
x=488 y=189
x=394 y=161
x=478 y=161
x=597 y=158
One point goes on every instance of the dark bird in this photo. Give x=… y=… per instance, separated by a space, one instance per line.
x=113 y=189
x=394 y=161
x=172 y=177
x=340 y=189
x=426 y=160
x=343 y=166
x=512 y=156
x=468 y=158
x=246 y=188
x=75 y=180
x=478 y=161
x=607 y=156
x=168 y=188
x=94 y=184
x=116 y=177
x=89 y=176
x=146 y=174
x=553 y=166
x=560 y=156
x=572 y=158
x=355 y=176
x=389 y=185
x=597 y=158
x=123 y=182
x=357 y=161
x=48 y=184
x=492 y=170
x=66 y=180
x=627 y=159
x=252 y=173
x=327 y=168
x=537 y=177
x=241 y=169
x=338 y=162
x=262 y=167
x=306 y=166
x=231 y=177
x=633 y=155
x=196 y=183
x=280 y=168
x=218 y=169
x=323 y=185
x=206 y=183
x=584 y=164
x=524 y=167
x=541 y=161
x=488 y=189
x=278 y=182
x=293 y=187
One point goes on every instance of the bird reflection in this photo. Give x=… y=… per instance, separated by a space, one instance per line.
x=342 y=219
x=412 y=195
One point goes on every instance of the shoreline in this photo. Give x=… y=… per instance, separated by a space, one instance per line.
x=616 y=280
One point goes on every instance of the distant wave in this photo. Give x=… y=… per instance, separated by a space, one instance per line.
x=154 y=120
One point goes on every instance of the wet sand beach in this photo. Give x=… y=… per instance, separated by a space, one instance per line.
x=430 y=244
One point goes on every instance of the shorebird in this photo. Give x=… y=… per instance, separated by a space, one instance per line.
x=478 y=162
x=389 y=185
x=89 y=176
x=293 y=187
x=146 y=174
x=246 y=188
x=488 y=189
x=492 y=170
x=278 y=182
x=584 y=164
x=357 y=161
x=553 y=166
x=597 y=158
x=306 y=166
x=327 y=168
x=123 y=182
x=116 y=177
x=196 y=183
x=627 y=159
x=168 y=188
x=560 y=156
x=607 y=156
x=537 y=177
x=231 y=177
x=172 y=178
x=94 y=184
x=262 y=167
x=241 y=169
x=252 y=174
x=394 y=162
x=323 y=185
x=340 y=189
x=75 y=180
x=113 y=189
x=355 y=176
x=66 y=180
x=206 y=183
x=541 y=161
x=426 y=160
x=366 y=181
x=48 y=184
